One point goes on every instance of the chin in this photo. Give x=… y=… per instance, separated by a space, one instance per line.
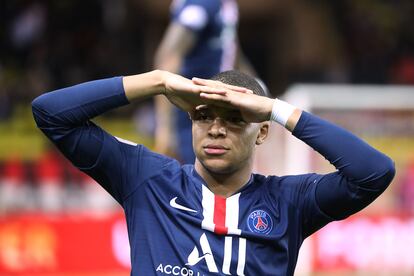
x=218 y=166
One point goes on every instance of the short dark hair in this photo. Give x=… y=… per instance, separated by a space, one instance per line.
x=237 y=78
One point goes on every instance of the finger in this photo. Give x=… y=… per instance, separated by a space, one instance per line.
x=200 y=81
x=237 y=88
x=213 y=83
x=214 y=97
x=211 y=103
x=208 y=82
x=212 y=90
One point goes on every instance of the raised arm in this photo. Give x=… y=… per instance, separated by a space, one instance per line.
x=64 y=117
x=363 y=172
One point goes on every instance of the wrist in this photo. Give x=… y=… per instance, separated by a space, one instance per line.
x=281 y=112
x=160 y=81
x=269 y=107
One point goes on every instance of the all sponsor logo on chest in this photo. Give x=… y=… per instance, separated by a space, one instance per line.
x=169 y=269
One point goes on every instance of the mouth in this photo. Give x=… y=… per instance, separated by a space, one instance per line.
x=212 y=149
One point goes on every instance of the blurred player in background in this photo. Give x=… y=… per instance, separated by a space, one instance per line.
x=200 y=41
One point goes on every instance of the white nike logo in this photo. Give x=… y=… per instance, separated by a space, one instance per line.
x=193 y=260
x=174 y=204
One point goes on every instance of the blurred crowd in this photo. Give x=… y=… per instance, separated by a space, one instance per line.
x=50 y=44
x=49 y=184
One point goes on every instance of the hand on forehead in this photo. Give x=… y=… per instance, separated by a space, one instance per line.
x=219 y=84
x=218 y=106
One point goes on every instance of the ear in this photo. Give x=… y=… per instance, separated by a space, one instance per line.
x=263 y=131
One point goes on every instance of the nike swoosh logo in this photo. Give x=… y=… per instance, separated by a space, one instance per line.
x=174 y=204
x=194 y=261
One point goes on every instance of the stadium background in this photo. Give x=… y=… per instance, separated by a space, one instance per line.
x=56 y=221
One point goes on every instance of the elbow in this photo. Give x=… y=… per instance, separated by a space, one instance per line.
x=41 y=111
x=380 y=175
x=387 y=174
x=390 y=171
x=36 y=107
x=37 y=103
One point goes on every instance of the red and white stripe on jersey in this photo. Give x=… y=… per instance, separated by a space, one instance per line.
x=220 y=215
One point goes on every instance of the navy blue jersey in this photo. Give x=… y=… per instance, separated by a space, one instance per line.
x=176 y=225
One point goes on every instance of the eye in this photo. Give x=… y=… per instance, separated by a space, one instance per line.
x=236 y=120
x=202 y=115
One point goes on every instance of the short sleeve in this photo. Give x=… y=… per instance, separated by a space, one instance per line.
x=195 y=14
x=193 y=17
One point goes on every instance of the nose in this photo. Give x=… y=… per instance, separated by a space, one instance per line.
x=218 y=128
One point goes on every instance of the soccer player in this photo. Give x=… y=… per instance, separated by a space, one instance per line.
x=200 y=41
x=215 y=216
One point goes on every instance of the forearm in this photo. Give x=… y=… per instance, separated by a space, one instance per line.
x=177 y=42
x=75 y=105
x=142 y=86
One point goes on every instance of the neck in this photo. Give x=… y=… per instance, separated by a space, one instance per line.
x=224 y=184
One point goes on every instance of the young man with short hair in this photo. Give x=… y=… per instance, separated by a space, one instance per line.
x=215 y=216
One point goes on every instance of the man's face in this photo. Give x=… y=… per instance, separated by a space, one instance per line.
x=223 y=142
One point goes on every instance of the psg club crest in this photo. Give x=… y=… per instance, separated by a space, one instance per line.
x=260 y=222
